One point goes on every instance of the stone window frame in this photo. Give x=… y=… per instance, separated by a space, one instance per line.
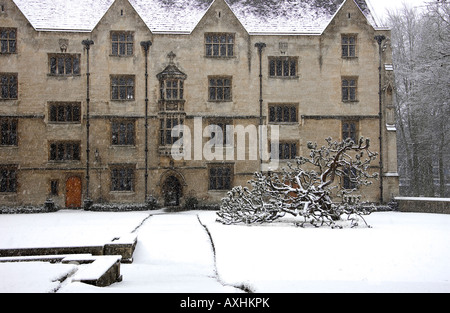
x=123 y=177
x=8 y=179
x=122 y=134
x=220 y=181
x=349 y=88
x=225 y=49
x=347 y=182
x=9 y=132
x=64 y=112
x=350 y=129
x=64 y=151
x=118 y=86
x=227 y=139
x=8 y=42
x=166 y=124
x=349 y=49
x=59 y=63
x=9 y=86
x=283 y=113
x=122 y=46
x=220 y=92
x=171 y=92
x=288 y=150
x=285 y=67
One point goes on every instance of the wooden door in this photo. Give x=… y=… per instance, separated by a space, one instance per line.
x=73 y=192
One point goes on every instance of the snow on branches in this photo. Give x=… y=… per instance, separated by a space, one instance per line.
x=305 y=188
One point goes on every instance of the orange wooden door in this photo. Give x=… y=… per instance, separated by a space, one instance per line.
x=73 y=192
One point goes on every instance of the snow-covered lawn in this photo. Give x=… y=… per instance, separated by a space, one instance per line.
x=65 y=228
x=403 y=252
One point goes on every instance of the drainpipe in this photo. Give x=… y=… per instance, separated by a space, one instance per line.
x=146 y=45
x=260 y=46
x=87 y=44
x=380 y=39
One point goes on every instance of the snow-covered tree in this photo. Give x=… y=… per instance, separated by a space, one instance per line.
x=305 y=189
x=421 y=50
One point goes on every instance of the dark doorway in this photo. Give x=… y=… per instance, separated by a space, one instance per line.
x=172 y=191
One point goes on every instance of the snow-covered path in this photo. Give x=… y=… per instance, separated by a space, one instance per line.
x=173 y=254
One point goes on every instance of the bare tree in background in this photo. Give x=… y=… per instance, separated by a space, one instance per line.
x=421 y=50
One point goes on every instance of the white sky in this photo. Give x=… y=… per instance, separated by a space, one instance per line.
x=380 y=6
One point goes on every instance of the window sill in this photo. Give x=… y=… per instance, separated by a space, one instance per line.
x=63 y=123
x=220 y=57
x=122 y=100
x=219 y=190
x=122 y=147
x=63 y=76
x=121 y=56
x=123 y=192
x=221 y=101
x=349 y=58
x=9 y=147
x=285 y=123
x=74 y=162
x=350 y=101
x=285 y=77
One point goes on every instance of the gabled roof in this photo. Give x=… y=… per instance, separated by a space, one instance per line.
x=64 y=15
x=181 y=16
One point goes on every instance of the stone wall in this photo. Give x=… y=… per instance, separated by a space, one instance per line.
x=315 y=90
x=424 y=205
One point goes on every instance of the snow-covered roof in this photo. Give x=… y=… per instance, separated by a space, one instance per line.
x=182 y=16
x=64 y=15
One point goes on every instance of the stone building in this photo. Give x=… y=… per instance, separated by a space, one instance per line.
x=91 y=90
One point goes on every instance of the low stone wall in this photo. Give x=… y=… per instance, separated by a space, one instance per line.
x=423 y=205
x=94 y=250
x=123 y=246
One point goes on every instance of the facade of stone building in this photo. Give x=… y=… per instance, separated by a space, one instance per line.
x=91 y=90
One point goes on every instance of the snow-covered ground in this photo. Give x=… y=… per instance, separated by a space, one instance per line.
x=403 y=252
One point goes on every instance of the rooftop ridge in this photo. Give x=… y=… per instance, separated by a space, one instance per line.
x=300 y=17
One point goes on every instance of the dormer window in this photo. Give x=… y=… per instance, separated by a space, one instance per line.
x=349 y=46
x=219 y=45
x=122 y=43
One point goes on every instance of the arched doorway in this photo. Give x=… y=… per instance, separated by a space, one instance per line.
x=172 y=191
x=73 y=192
